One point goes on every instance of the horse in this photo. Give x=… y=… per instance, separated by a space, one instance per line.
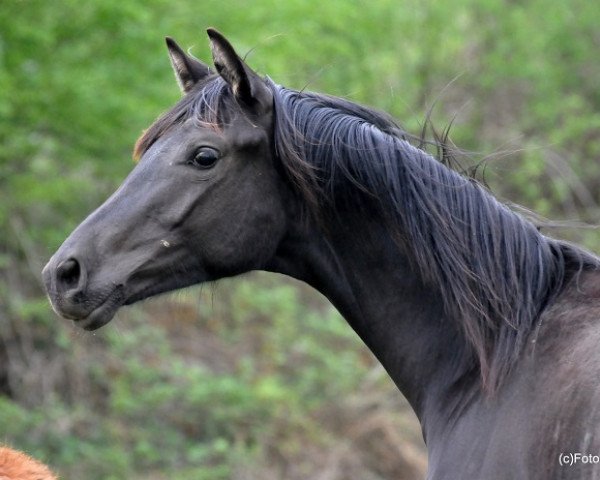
x=15 y=465
x=488 y=327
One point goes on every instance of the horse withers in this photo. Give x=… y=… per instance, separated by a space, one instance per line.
x=488 y=327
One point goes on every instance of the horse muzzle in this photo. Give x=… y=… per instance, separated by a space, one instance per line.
x=67 y=285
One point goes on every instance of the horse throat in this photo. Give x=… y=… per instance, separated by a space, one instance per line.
x=398 y=317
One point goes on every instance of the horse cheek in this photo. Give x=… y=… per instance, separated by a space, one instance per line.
x=246 y=241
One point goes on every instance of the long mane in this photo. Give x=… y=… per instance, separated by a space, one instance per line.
x=493 y=269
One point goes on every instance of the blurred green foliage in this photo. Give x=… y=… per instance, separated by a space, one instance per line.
x=215 y=384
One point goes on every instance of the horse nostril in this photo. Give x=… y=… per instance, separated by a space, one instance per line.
x=68 y=274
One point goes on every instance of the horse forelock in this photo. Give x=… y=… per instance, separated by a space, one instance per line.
x=209 y=103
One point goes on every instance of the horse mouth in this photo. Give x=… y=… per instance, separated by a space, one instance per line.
x=105 y=307
x=106 y=311
x=99 y=316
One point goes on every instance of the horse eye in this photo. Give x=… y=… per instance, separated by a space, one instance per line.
x=205 y=157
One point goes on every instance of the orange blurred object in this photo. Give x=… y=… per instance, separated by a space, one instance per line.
x=16 y=465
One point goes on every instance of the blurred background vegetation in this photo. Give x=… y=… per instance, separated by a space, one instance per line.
x=256 y=377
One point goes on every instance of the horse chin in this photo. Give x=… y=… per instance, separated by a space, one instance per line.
x=99 y=317
x=103 y=313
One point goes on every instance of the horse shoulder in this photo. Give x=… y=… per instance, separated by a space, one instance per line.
x=563 y=384
x=548 y=406
x=568 y=337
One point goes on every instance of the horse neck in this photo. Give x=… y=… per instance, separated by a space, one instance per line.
x=493 y=269
x=398 y=317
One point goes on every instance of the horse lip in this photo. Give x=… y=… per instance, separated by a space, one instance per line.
x=103 y=313
x=99 y=317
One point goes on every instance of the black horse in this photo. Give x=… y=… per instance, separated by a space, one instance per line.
x=489 y=328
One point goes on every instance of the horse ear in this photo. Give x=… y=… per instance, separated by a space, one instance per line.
x=188 y=70
x=246 y=85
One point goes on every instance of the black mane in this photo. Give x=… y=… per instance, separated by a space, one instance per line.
x=493 y=269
